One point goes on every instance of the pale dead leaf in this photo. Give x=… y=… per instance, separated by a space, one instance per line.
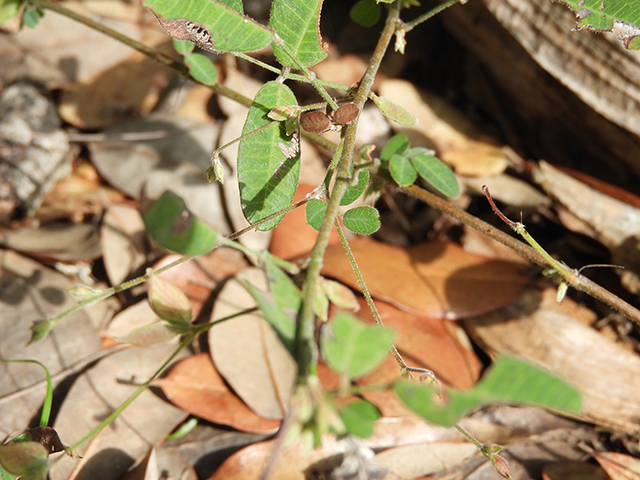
x=539 y=330
x=507 y=189
x=247 y=351
x=441 y=127
x=99 y=391
x=618 y=465
x=411 y=461
x=435 y=279
x=195 y=386
x=60 y=50
x=28 y=292
x=123 y=242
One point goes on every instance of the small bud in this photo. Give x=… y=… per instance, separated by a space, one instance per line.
x=501 y=466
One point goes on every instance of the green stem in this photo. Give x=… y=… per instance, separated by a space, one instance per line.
x=135 y=394
x=367 y=295
x=407 y=27
x=306 y=354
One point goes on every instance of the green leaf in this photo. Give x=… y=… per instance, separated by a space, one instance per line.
x=268 y=160
x=25 y=459
x=201 y=68
x=234 y=4
x=31 y=16
x=183 y=47
x=363 y=220
x=298 y=24
x=354 y=348
x=366 y=13
x=40 y=329
x=169 y=302
x=394 y=111
x=210 y=24
x=508 y=381
x=359 y=416
x=174 y=227
x=600 y=15
x=354 y=191
x=315 y=212
x=280 y=306
x=402 y=170
x=9 y=9
x=397 y=145
x=437 y=174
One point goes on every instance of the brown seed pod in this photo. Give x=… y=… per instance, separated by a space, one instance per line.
x=346 y=114
x=315 y=122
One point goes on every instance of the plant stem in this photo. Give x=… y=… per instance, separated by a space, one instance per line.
x=306 y=353
x=431 y=13
x=367 y=295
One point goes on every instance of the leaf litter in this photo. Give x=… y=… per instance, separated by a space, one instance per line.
x=414 y=299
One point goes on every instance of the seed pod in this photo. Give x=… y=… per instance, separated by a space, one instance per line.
x=346 y=114
x=315 y=122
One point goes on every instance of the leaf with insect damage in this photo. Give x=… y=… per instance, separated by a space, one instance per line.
x=268 y=160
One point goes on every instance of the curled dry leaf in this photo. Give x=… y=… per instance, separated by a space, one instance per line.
x=195 y=385
x=435 y=279
x=247 y=351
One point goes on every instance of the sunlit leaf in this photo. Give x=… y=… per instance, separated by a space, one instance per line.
x=365 y=13
x=173 y=227
x=210 y=24
x=268 y=161
x=353 y=348
x=437 y=174
x=395 y=112
x=363 y=220
x=201 y=68
x=149 y=335
x=297 y=23
x=402 y=170
x=315 y=212
x=508 y=381
x=9 y=9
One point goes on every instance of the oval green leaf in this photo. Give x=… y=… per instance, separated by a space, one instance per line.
x=395 y=112
x=354 y=191
x=315 y=212
x=358 y=418
x=363 y=220
x=201 y=68
x=402 y=170
x=509 y=381
x=366 y=13
x=397 y=145
x=183 y=47
x=174 y=227
x=353 y=348
x=268 y=160
x=210 y=24
x=437 y=174
x=298 y=25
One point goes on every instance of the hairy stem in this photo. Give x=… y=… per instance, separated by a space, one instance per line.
x=306 y=354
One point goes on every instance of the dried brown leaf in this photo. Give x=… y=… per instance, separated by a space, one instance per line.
x=435 y=279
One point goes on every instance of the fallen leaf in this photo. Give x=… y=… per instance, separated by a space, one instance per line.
x=435 y=279
x=538 y=329
x=161 y=463
x=123 y=242
x=574 y=471
x=97 y=393
x=618 y=465
x=248 y=353
x=195 y=386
